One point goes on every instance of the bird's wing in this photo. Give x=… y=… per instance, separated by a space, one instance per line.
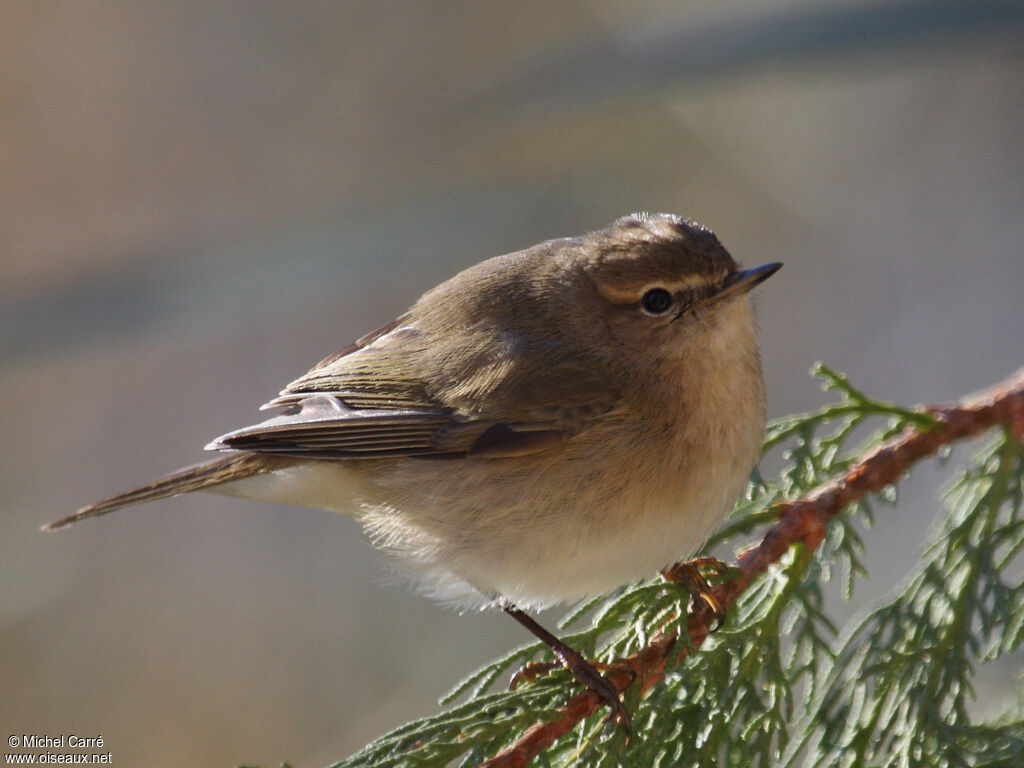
x=367 y=401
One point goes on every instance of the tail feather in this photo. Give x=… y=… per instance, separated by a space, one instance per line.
x=234 y=467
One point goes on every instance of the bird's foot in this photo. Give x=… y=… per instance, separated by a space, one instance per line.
x=584 y=671
x=531 y=670
x=694 y=576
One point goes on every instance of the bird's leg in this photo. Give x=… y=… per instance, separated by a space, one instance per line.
x=572 y=660
x=691 y=575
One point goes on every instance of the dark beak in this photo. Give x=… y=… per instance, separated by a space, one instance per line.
x=745 y=279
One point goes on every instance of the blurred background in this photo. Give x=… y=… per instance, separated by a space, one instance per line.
x=200 y=201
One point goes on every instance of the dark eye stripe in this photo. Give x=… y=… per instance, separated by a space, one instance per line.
x=656 y=301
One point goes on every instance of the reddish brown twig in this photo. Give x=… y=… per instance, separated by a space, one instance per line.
x=800 y=521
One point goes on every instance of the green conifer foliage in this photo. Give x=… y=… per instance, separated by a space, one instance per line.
x=779 y=684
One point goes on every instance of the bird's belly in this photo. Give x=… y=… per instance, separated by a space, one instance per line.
x=477 y=531
x=534 y=530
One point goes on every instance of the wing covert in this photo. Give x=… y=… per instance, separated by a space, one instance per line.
x=372 y=400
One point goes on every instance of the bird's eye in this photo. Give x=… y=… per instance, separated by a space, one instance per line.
x=656 y=301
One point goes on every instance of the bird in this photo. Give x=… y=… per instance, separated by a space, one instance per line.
x=545 y=426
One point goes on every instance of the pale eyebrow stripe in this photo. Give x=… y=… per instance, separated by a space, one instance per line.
x=621 y=295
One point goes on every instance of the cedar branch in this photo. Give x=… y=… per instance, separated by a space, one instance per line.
x=801 y=521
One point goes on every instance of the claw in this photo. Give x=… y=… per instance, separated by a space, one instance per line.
x=583 y=670
x=530 y=671
x=691 y=576
x=588 y=673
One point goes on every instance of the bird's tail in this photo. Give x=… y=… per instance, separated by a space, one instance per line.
x=195 y=478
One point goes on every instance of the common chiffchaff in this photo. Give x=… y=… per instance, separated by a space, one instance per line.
x=544 y=426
